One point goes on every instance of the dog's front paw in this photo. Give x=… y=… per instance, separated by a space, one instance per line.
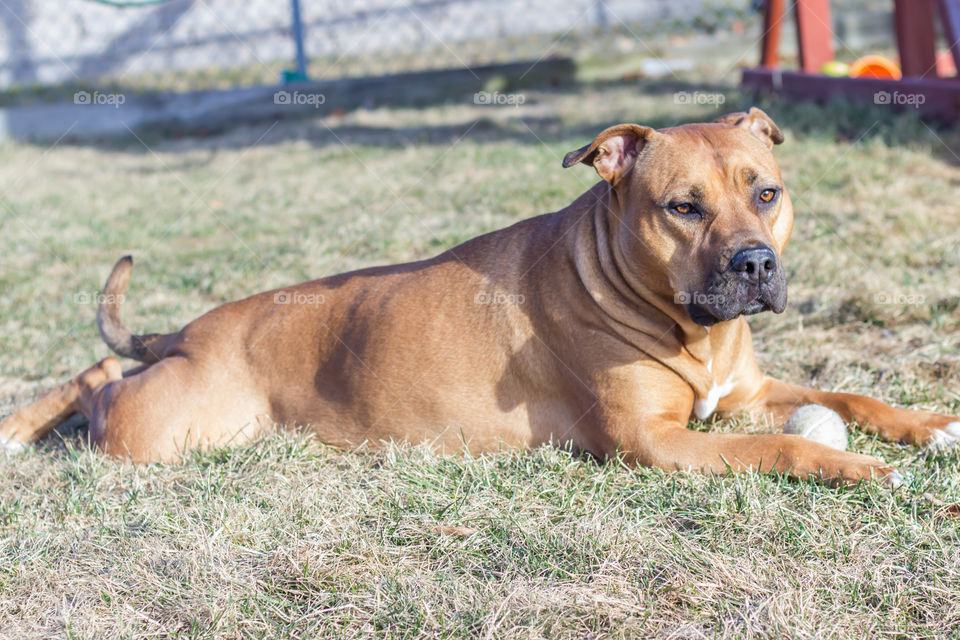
x=944 y=438
x=850 y=468
x=11 y=446
x=894 y=479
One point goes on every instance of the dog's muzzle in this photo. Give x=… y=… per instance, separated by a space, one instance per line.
x=752 y=282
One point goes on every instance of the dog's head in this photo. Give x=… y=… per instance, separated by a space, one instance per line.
x=703 y=213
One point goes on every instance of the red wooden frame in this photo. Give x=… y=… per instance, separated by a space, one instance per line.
x=814 y=35
x=916 y=41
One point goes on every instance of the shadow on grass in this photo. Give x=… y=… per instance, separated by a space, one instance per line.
x=540 y=83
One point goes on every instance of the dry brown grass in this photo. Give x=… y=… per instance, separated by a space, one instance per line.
x=288 y=538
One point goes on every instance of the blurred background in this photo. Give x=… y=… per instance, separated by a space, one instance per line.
x=48 y=50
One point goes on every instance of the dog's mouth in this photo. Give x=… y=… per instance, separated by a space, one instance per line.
x=756 y=306
x=751 y=281
x=711 y=308
x=707 y=317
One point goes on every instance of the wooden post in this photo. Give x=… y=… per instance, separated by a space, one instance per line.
x=916 y=38
x=772 y=18
x=814 y=34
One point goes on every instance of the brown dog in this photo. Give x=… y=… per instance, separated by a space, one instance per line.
x=605 y=325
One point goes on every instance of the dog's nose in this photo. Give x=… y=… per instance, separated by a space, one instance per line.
x=756 y=264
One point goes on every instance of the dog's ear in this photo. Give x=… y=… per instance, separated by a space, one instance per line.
x=756 y=122
x=613 y=152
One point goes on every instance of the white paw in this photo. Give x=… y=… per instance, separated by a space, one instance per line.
x=11 y=447
x=894 y=479
x=945 y=438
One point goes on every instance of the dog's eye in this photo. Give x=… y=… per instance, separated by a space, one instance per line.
x=767 y=195
x=684 y=208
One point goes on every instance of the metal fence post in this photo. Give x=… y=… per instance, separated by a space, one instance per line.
x=300 y=75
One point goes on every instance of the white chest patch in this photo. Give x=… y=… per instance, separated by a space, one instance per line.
x=703 y=408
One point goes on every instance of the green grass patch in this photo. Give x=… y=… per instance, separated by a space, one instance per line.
x=288 y=538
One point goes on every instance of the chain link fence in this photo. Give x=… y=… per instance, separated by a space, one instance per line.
x=196 y=44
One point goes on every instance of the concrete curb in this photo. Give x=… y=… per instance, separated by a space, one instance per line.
x=107 y=117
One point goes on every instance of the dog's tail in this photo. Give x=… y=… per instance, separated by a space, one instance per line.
x=147 y=348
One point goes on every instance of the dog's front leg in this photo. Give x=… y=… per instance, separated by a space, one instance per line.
x=674 y=447
x=779 y=399
x=645 y=418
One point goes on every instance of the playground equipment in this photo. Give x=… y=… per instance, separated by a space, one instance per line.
x=919 y=87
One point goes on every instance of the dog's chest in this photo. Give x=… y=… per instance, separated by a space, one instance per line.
x=705 y=405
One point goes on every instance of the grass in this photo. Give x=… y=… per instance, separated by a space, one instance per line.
x=289 y=538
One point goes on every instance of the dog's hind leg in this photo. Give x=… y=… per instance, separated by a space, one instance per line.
x=36 y=420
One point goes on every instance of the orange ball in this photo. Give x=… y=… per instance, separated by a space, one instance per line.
x=875 y=67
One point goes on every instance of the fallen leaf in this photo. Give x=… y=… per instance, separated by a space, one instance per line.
x=946 y=509
x=457 y=531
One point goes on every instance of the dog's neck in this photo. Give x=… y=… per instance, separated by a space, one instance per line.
x=649 y=320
